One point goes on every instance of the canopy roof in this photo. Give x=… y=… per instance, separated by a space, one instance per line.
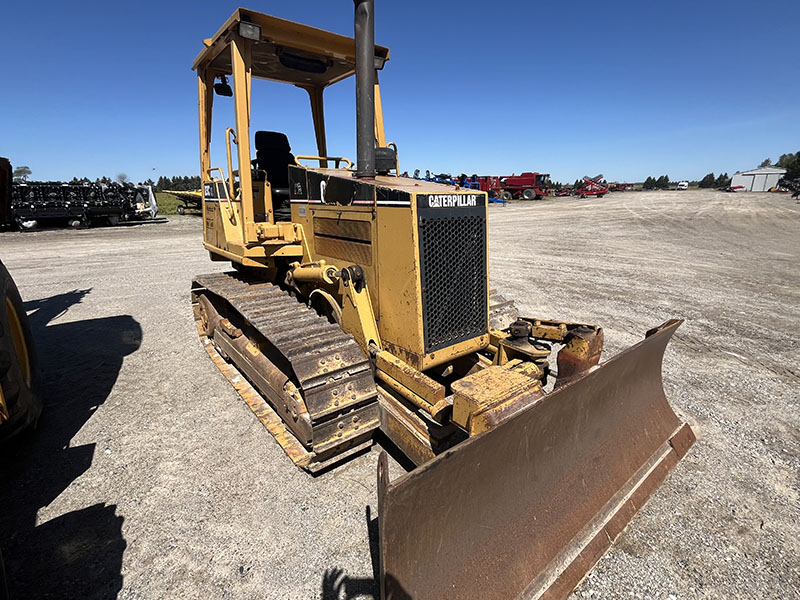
x=287 y=52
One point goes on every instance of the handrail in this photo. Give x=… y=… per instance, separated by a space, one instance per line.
x=228 y=133
x=336 y=159
x=231 y=213
x=393 y=146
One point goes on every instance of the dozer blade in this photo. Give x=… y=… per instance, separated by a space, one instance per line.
x=526 y=509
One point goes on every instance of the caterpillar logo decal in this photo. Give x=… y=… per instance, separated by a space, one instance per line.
x=450 y=200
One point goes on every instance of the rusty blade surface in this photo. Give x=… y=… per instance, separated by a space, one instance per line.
x=526 y=509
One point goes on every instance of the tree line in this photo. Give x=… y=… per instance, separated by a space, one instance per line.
x=709 y=181
x=185 y=183
x=121 y=178
x=659 y=183
x=789 y=161
x=178 y=183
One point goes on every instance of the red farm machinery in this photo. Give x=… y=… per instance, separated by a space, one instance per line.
x=592 y=186
x=530 y=186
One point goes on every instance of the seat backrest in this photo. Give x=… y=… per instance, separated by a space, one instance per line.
x=274 y=155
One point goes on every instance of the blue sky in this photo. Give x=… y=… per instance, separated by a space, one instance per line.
x=628 y=89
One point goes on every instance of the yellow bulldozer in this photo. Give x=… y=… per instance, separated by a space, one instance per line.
x=360 y=302
x=20 y=379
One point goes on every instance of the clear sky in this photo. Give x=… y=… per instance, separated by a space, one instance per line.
x=627 y=89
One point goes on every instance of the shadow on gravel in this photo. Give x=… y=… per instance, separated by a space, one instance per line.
x=156 y=221
x=78 y=554
x=337 y=585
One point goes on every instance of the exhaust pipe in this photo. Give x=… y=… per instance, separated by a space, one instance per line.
x=365 y=87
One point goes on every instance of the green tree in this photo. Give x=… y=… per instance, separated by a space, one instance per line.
x=22 y=173
x=649 y=184
x=786 y=159
x=767 y=162
x=122 y=178
x=793 y=167
x=722 y=181
x=662 y=183
x=708 y=181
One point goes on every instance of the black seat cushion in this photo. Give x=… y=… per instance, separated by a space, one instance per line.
x=274 y=155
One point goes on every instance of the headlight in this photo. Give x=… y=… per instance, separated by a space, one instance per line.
x=250 y=31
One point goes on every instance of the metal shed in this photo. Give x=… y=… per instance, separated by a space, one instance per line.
x=758 y=180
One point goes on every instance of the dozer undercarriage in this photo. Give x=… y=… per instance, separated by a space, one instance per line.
x=312 y=373
x=361 y=302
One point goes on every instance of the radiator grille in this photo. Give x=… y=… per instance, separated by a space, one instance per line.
x=453 y=277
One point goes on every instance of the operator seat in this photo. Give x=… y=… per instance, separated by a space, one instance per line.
x=274 y=155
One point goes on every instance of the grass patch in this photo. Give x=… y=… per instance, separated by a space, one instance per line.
x=168 y=204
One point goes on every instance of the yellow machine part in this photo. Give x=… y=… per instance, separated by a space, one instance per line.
x=20 y=350
x=517 y=492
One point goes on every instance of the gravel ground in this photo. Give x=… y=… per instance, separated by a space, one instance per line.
x=149 y=478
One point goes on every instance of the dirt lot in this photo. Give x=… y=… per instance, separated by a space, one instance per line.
x=149 y=478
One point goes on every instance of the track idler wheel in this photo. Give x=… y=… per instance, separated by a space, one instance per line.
x=206 y=315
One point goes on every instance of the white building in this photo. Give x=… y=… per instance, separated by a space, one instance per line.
x=758 y=180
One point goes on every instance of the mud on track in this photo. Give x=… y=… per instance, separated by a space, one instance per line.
x=149 y=478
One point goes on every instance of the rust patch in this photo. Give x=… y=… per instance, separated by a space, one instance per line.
x=582 y=350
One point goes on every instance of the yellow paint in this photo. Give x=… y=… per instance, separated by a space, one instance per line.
x=382 y=239
x=18 y=339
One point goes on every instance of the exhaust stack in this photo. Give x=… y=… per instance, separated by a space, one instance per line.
x=365 y=87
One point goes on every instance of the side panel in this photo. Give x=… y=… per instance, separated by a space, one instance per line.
x=213 y=226
x=430 y=299
x=400 y=325
x=330 y=209
x=341 y=236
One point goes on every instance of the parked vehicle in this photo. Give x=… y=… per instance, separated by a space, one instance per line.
x=620 y=187
x=530 y=186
